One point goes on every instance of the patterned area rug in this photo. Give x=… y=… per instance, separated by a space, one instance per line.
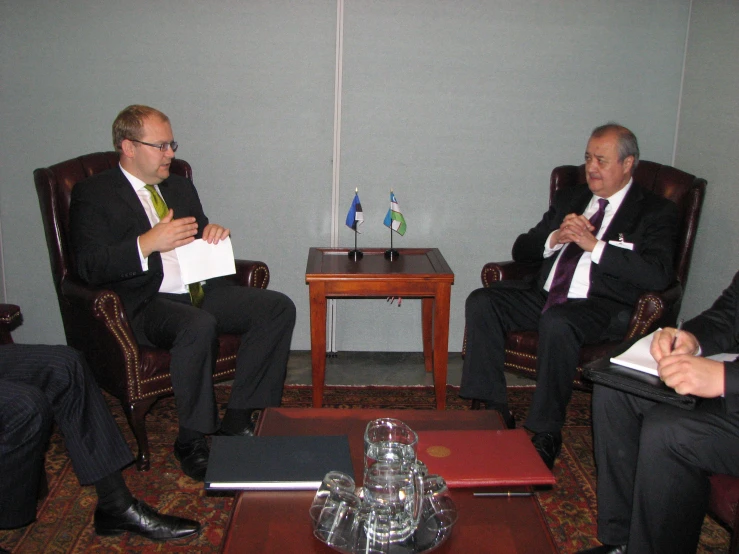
x=64 y=523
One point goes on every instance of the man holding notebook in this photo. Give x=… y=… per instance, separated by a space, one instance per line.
x=654 y=459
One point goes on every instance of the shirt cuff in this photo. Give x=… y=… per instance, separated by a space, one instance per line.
x=597 y=252
x=549 y=251
x=144 y=261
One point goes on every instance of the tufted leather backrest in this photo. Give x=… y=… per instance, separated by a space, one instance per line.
x=54 y=189
x=684 y=189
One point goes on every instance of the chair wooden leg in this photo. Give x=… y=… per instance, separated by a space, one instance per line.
x=136 y=414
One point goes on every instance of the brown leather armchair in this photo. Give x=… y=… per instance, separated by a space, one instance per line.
x=654 y=309
x=94 y=320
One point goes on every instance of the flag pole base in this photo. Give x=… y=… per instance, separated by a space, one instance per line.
x=392 y=254
x=355 y=255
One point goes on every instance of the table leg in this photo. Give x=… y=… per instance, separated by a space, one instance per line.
x=427 y=320
x=441 y=341
x=318 y=304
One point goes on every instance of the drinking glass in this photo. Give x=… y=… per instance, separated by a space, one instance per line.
x=375 y=538
x=333 y=481
x=438 y=510
x=339 y=522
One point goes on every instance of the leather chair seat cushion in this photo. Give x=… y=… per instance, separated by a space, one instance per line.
x=155 y=361
x=519 y=343
x=725 y=497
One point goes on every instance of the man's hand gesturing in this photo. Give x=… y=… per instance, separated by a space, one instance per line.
x=168 y=234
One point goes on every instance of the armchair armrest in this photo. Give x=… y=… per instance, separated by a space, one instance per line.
x=251 y=273
x=507 y=271
x=655 y=309
x=96 y=323
x=10 y=318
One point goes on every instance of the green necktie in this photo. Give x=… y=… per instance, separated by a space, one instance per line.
x=197 y=294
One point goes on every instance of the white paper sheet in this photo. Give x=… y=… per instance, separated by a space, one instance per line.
x=200 y=261
x=638 y=356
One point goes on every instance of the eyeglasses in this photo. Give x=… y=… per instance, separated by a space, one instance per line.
x=161 y=147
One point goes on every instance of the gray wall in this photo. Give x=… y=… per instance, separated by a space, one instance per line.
x=461 y=107
x=707 y=145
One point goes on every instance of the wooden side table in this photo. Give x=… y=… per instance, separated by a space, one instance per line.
x=416 y=273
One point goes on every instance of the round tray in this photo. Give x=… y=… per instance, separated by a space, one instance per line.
x=426 y=538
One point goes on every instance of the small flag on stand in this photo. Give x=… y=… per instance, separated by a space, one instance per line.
x=355 y=217
x=394 y=219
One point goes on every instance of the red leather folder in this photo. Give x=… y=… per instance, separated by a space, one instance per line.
x=483 y=458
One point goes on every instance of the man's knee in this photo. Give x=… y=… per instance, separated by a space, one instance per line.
x=201 y=327
x=287 y=309
x=478 y=302
x=26 y=416
x=660 y=433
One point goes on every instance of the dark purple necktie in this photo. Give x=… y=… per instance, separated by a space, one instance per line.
x=568 y=262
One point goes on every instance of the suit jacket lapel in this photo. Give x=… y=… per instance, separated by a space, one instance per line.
x=130 y=199
x=627 y=212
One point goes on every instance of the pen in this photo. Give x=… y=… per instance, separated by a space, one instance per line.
x=503 y=494
x=677 y=333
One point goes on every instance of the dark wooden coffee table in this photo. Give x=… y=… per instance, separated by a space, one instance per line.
x=278 y=521
x=416 y=273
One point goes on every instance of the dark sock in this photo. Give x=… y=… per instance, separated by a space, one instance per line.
x=113 y=494
x=236 y=420
x=186 y=435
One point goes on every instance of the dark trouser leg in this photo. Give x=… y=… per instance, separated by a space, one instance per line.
x=653 y=462
x=616 y=431
x=60 y=374
x=189 y=333
x=563 y=329
x=91 y=435
x=489 y=314
x=265 y=320
x=678 y=451
x=25 y=425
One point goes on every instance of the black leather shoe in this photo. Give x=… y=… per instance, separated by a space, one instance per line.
x=234 y=426
x=142 y=519
x=605 y=549
x=193 y=457
x=246 y=431
x=548 y=446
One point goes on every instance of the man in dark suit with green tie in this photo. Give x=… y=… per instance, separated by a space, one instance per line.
x=125 y=224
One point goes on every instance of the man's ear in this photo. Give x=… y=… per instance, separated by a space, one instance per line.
x=127 y=148
x=628 y=164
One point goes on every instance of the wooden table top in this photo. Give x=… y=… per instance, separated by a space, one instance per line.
x=324 y=263
x=278 y=521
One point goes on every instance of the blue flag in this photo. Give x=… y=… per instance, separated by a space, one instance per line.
x=355 y=217
x=394 y=219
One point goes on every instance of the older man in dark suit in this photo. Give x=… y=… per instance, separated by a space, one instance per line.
x=653 y=459
x=125 y=224
x=601 y=246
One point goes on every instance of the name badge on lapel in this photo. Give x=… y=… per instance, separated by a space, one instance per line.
x=620 y=243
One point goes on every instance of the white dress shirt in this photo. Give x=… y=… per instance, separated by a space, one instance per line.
x=172 y=281
x=581 y=279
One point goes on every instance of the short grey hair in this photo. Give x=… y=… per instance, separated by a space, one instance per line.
x=627 y=143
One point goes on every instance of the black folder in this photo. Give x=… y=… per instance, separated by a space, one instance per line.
x=276 y=462
x=638 y=383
